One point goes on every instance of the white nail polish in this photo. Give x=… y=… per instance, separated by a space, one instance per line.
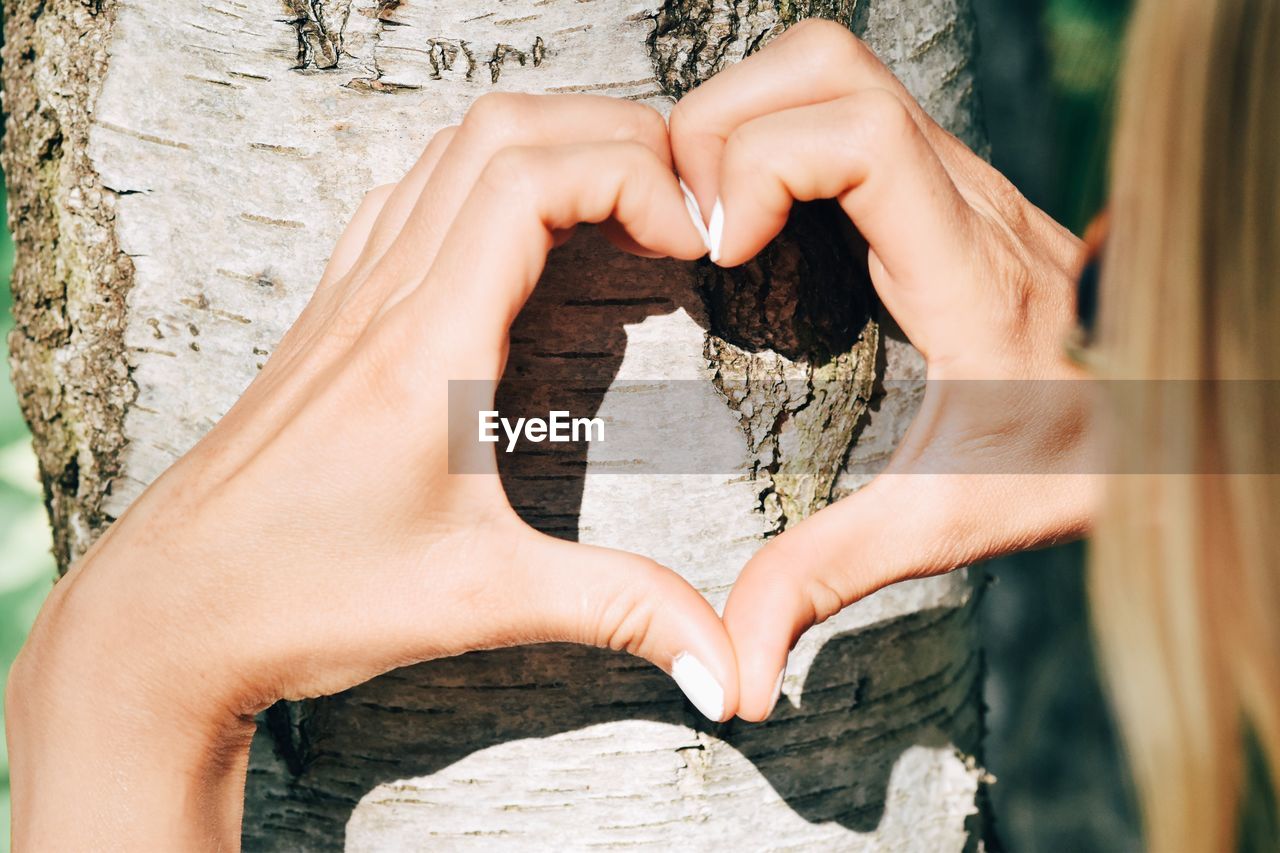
x=777 y=692
x=695 y=213
x=715 y=230
x=699 y=685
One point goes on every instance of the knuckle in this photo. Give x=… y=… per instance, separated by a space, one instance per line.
x=644 y=123
x=631 y=632
x=655 y=125
x=625 y=622
x=818 y=30
x=613 y=121
x=880 y=119
x=640 y=176
x=635 y=154
x=1009 y=203
x=497 y=114
x=745 y=149
x=827 y=43
x=825 y=598
x=512 y=171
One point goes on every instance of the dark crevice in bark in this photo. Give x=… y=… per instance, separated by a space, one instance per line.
x=807 y=296
x=792 y=332
x=373 y=81
x=291 y=726
x=794 y=339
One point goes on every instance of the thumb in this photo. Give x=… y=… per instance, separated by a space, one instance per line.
x=613 y=599
x=895 y=528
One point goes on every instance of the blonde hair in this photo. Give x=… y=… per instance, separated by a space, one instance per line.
x=1185 y=564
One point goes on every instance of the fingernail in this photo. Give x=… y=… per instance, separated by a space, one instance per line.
x=699 y=685
x=695 y=213
x=715 y=230
x=777 y=693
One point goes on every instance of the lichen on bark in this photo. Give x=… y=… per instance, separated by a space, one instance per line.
x=70 y=278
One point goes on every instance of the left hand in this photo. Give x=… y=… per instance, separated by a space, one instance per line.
x=979 y=280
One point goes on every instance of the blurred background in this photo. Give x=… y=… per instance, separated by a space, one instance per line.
x=26 y=567
x=1047 y=70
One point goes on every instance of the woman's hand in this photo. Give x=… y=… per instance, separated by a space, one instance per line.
x=315 y=538
x=978 y=279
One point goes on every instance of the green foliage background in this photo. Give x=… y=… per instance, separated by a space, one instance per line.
x=26 y=567
x=1082 y=42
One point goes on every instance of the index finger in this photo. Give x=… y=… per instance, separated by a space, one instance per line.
x=495 y=251
x=813 y=62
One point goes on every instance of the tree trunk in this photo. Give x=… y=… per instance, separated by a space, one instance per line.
x=178 y=174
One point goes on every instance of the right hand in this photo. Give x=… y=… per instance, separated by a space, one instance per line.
x=979 y=280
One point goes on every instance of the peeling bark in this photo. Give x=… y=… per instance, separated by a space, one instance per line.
x=203 y=172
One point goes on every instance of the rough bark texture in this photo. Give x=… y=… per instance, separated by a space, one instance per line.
x=71 y=278
x=204 y=171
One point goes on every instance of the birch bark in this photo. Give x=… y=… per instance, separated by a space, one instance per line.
x=178 y=174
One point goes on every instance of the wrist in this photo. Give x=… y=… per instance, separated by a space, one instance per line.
x=106 y=751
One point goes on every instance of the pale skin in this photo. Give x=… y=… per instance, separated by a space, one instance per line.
x=981 y=282
x=188 y=610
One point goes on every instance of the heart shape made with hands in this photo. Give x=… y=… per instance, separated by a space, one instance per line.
x=977 y=279
x=423 y=288
x=403 y=561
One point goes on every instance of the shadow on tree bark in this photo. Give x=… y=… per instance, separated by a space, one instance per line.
x=830 y=759
x=870 y=694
